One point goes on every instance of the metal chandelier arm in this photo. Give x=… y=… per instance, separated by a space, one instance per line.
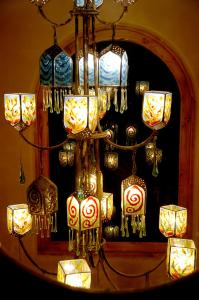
x=42 y=13
x=39 y=146
x=132 y=147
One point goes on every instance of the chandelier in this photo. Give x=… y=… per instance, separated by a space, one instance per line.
x=83 y=88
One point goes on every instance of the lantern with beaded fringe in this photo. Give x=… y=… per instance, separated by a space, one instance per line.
x=42 y=198
x=133 y=203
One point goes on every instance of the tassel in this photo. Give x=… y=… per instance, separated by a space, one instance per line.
x=126 y=227
x=115 y=99
x=77 y=239
x=83 y=245
x=122 y=105
x=122 y=226
x=125 y=100
x=108 y=91
x=50 y=105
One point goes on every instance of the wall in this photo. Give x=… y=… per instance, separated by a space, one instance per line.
x=25 y=35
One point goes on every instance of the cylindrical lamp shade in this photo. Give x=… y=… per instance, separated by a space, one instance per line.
x=74 y=272
x=106 y=206
x=80 y=112
x=156 y=109
x=181 y=257
x=19 y=220
x=20 y=109
x=111 y=160
x=173 y=220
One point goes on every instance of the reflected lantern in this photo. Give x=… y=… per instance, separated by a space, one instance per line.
x=181 y=257
x=20 y=109
x=156 y=109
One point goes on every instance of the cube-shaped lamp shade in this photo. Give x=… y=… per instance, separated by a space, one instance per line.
x=80 y=112
x=83 y=215
x=74 y=272
x=20 y=109
x=156 y=109
x=19 y=220
x=106 y=206
x=173 y=220
x=181 y=257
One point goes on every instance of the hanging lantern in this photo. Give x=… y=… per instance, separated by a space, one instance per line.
x=42 y=198
x=19 y=220
x=150 y=153
x=83 y=217
x=80 y=112
x=173 y=220
x=56 y=77
x=67 y=155
x=113 y=73
x=133 y=202
x=156 y=109
x=111 y=160
x=74 y=272
x=181 y=257
x=141 y=87
x=20 y=109
x=93 y=3
x=106 y=206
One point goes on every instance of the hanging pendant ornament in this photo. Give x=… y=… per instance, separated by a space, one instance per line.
x=39 y=3
x=22 y=177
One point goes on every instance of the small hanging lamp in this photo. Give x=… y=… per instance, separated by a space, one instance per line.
x=19 y=220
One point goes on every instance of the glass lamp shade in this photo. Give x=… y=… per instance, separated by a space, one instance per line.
x=19 y=220
x=83 y=219
x=74 y=272
x=181 y=257
x=80 y=112
x=42 y=199
x=20 y=109
x=173 y=220
x=141 y=87
x=111 y=160
x=82 y=3
x=156 y=109
x=91 y=76
x=106 y=206
x=133 y=194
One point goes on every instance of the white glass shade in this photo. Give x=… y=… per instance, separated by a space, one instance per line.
x=19 y=220
x=181 y=257
x=82 y=3
x=106 y=206
x=173 y=220
x=20 y=109
x=91 y=76
x=74 y=272
x=156 y=109
x=80 y=112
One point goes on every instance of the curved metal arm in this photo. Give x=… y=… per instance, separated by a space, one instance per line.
x=51 y=22
x=42 y=147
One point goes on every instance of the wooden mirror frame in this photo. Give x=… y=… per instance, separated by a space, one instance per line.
x=160 y=48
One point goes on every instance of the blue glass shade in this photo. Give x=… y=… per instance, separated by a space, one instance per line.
x=91 y=77
x=82 y=3
x=56 y=68
x=113 y=67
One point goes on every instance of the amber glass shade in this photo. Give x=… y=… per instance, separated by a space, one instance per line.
x=181 y=257
x=156 y=109
x=20 y=109
x=74 y=272
x=80 y=112
x=19 y=220
x=173 y=220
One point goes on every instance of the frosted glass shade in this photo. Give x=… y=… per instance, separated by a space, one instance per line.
x=20 y=109
x=91 y=76
x=106 y=206
x=80 y=112
x=74 y=272
x=173 y=220
x=181 y=257
x=156 y=109
x=82 y=3
x=19 y=220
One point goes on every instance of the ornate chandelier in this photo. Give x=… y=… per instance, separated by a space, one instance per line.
x=83 y=89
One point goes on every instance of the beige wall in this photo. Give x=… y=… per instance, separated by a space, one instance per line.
x=25 y=35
